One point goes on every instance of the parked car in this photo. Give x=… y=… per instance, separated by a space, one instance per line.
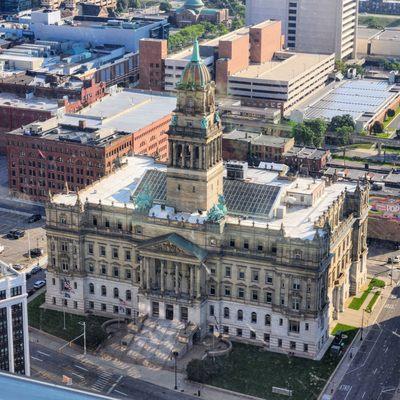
x=17 y=267
x=36 y=269
x=31 y=291
x=33 y=218
x=1 y=248
x=16 y=234
x=39 y=284
x=37 y=252
x=393 y=260
x=28 y=275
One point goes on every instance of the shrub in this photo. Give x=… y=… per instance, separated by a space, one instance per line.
x=377 y=127
x=390 y=113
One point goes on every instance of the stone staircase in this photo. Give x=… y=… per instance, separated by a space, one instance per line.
x=155 y=342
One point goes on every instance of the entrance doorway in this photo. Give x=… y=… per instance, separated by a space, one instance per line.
x=169 y=311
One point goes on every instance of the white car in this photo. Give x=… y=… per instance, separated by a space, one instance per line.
x=394 y=260
x=39 y=284
x=17 y=267
x=1 y=248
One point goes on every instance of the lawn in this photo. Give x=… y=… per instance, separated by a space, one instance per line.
x=52 y=321
x=251 y=370
x=357 y=302
x=370 y=305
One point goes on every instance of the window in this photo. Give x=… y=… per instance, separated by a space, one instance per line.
x=282 y=300
x=267 y=320
x=65 y=303
x=128 y=274
x=254 y=317
x=292 y=345
x=115 y=272
x=91 y=305
x=252 y=335
x=260 y=247
x=306 y=326
x=102 y=251
x=226 y=312
x=211 y=310
x=246 y=244
x=107 y=223
x=90 y=248
x=127 y=255
x=294 y=326
x=212 y=290
x=115 y=252
x=280 y=321
x=128 y=295
x=116 y=293
x=103 y=307
x=241 y=293
x=75 y=304
x=240 y=315
x=296 y=284
x=254 y=276
x=103 y=291
x=227 y=291
x=54 y=300
x=232 y=243
x=53 y=281
x=115 y=309
x=225 y=329
x=279 y=342
x=268 y=297
x=242 y=274
x=267 y=337
x=305 y=348
x=64 y=265
x=91 y=267
x=254 y=295
x=94 y=220
x=268 y=279
x=239 y=332
x=75 y=285
x=119 y=225
x=227 y=272
x=91 y=288
x=296 y=304
x=104 y=269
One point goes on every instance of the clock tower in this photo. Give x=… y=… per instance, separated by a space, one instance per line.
x=195 y=168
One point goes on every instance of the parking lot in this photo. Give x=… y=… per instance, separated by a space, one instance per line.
x=17 y=251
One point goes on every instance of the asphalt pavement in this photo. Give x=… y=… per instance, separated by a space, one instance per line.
x=50 y=366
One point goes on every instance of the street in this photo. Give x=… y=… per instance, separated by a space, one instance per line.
x=50 y=366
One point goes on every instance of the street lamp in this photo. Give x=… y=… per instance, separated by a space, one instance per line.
x=83 y=323
x=175 y=355
x=362 y=325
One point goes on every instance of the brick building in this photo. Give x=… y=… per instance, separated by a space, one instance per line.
x=80 y=148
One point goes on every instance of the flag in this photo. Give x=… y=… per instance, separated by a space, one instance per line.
x=41 y=154
x=122 y=305
x=216 y=324
x=67 y=288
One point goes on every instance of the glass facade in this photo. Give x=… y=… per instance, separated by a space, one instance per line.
x=18 y=338
x=14 y=6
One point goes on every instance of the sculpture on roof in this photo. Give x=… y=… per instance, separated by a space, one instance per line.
x=143 y=201
x=218 y=211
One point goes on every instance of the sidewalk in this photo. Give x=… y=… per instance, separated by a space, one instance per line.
x=156 y=376
x=354 y=318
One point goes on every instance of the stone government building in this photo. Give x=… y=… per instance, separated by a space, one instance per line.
x=271 y=262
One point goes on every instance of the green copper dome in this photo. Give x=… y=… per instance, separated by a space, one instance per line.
x=193 y=4
x=195 y=74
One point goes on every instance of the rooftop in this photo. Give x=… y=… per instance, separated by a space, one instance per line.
x=32 y=103
x=257 y=138
x=284 y=67
x=228 y=37
x=354 y=97
x=7 y=271
x=254 y=200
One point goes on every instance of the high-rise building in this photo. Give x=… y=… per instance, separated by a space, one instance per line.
x=14 y=335
x=15 y=6
x=312 y=26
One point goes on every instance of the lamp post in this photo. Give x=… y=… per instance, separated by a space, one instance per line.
x=175 y=355
x=83 y=323
x=362 y=325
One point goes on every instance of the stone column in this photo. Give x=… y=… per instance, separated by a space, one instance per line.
x=177 y=279
x=162 y=275
x=192 y=267
x=191 y=149
x=201 y=157
x=141 y=272
x=183 y=155
x=147 y=263
x=198 y=282
x=26 y=339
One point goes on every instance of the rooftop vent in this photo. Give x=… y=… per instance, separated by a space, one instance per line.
x=236 y=169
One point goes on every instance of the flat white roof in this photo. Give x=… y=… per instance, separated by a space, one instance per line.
x=35 y=103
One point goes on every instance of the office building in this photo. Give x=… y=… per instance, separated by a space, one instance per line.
x=14 y=334
x=311 y=26
x=15 y=6
x=262 y=258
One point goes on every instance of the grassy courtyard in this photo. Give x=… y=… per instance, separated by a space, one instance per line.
x=52 y=322
x=251 y=370
x=357 y=302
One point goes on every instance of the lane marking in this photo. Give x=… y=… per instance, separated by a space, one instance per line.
x=115 y=384
x=79 y=376
x=363 y=395
x=375 y=370
x=43 y=353
x=82 y=368
x=117 y=391
x=351 y=387
x=387 y=348
x=37 y=359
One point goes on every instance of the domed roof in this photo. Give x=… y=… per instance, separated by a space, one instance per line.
x=195 y=74
x=194 y=4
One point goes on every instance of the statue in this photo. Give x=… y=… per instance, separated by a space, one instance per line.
x=217 y=118
x=204 y=123
x=218 y=211
x=174 y=120
x=143 y=201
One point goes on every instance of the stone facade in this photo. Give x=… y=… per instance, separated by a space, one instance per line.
x=253 y=281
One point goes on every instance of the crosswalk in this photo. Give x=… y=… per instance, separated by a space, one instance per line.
x=390 y=306
x=104 y=380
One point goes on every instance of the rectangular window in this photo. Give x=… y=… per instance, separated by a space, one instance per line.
x=227 y=272
x=241 y=274
x=90 y=248
x=232 y=243
x=241 y=293
x=280 y=321
x=116 y=272
x=103 y=270
x=305 y=348
x=267 y=337
x=268 y=279
x=115 y=252
x=91 y=305
x=279 y=342
x=115 y=309
x=254 y=276
x=306 y=326
x=75 y=304
x=212 y=290
x=254 y=295
x=292 y=345
x=245 y=244
x=225 y=329
x=294 y=326
x=103 y=307
x=227 y=291
x=102 y=251
x=127 y=255
x=128 y=274
x=268 y=297
x=211 y=310
x=239 y=332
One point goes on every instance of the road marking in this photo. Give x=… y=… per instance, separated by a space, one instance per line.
x=348 y=393
x=43 y=353
x=375 y=371
x=387 y=348
x=37 y=359
x=79 y=376
x=82 y=368
x=115 y=384
x=117 y=391
x=363 y=395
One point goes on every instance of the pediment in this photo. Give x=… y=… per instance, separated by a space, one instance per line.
x=174 y=244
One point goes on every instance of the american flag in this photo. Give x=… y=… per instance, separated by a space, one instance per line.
x=67 y=288
x=41 y=154
x=122 y=305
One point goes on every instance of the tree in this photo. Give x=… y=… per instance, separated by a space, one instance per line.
x=165 y=6
x=344 y=134
x=122 y=5
x=340 y=121
x=398 y=133
x=303 y=134
x=319 y=127
x=391 y=113
x=377 y=127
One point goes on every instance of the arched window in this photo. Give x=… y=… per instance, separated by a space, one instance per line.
x=103 y=291
x=128 y=295
x=253 y=317
x=116 y=293
x=267 y=320
x=240 y=315
x=226 y=312
x=91 y=288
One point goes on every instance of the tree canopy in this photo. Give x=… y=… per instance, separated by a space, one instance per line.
x=310 y=133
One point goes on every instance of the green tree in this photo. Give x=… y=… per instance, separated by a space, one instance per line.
x=165 y=6
x=344 y=134
x=340 y=121
x=377 y=127
x=391 y=113
x=319 y=128
x=303 y=134
x=122 y=5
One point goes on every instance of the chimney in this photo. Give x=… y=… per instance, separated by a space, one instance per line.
x=82 y=124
